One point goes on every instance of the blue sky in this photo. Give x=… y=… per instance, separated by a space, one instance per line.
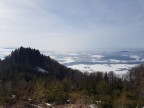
x=72 y=24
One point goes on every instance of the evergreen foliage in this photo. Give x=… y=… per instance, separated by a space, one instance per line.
x=21 y=81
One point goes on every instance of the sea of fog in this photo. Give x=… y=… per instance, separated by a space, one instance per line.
x=103 y=60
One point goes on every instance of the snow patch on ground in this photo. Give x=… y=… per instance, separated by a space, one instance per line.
x=48 y=104
x=36 y=106
x=41 y=70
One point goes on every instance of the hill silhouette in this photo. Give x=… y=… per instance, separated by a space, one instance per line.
x=31 y=60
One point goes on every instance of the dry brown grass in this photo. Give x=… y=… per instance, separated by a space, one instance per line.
x=70 y=106
x=1 y=106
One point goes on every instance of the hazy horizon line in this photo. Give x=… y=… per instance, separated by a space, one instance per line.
x=77 y=49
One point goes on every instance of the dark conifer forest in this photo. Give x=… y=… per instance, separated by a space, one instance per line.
x=29 y=78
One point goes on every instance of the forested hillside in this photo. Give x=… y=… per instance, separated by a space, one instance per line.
x=29 y=78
